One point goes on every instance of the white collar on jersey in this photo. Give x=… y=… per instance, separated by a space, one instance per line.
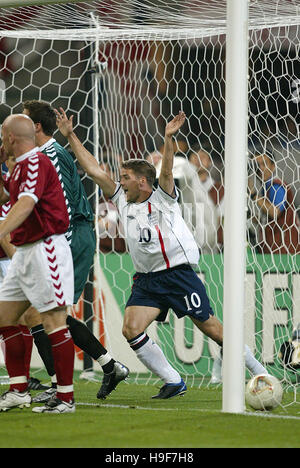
x=48 y=143
x=27 y=155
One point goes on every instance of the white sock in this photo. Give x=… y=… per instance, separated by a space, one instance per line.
x=150 y=354
x=217 y=368
x=252 y=364
x=104 y=359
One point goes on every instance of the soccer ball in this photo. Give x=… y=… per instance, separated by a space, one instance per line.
x=263 y=392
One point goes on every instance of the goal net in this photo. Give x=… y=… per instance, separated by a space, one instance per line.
x=123 y=69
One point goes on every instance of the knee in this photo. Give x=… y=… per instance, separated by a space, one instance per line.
x=127 y=331
x=137 y=319
x=130 y=330
x=54 y=319
x=32 y=317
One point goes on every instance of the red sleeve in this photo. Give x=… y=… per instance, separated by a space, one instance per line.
x=34 y=178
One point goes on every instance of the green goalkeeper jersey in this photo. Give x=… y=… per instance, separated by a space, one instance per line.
x=78 y=206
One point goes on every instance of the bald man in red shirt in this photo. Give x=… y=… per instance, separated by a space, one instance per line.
x=41 y=271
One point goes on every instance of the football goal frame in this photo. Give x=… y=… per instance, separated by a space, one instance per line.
x=106 y=105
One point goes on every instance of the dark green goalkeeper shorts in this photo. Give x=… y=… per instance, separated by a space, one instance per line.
x=83 y=247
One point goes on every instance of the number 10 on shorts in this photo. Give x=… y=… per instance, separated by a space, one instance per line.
x=194 y=300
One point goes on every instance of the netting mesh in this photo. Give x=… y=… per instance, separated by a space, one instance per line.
x=159 y=19
x=154 y=58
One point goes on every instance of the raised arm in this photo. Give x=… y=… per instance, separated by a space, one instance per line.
x=84 y=157
x=166 y=180
x=267 y=207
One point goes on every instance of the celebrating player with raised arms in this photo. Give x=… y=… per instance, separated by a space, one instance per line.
x=163 y=252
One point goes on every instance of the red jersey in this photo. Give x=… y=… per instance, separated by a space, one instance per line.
x=34 y=175
x=4 y=209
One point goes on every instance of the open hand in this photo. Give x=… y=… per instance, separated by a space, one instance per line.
x=174 y=125
x=64 y=124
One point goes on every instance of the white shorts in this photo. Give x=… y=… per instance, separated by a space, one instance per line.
x=4 y=264
x=41 y=273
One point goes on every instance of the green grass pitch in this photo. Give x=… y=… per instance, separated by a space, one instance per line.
x=129 y=418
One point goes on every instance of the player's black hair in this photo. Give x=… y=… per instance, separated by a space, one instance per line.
x=141 y=167
x=41 y=112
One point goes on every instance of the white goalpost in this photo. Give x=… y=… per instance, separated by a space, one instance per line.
x=123 y=69
x=236 y=123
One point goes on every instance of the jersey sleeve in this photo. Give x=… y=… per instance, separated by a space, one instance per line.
x=118 y=197
x=4 y=209
x=165 y=197
x=33 y=180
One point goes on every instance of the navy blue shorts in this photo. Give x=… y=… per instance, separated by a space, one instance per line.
x=178 y=288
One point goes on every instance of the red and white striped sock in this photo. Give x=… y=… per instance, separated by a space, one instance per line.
x=14 y=350
x=63 y=355
x=28 y=342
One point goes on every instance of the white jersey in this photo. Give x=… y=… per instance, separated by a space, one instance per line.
x=156 y=234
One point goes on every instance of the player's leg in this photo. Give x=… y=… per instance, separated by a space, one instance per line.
x=213 y=328
x=63 y=352
x=192 y=300
x=83 y=247
x=51 y=262
x=136 y=321
x=14 y=349
x=216 y=372
x=54 y=323
x=33 y=383
x=87 y=342
x=114 y=372
x=28 y=343
x=82 y=253
x=13 y=303
x=33 y=320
